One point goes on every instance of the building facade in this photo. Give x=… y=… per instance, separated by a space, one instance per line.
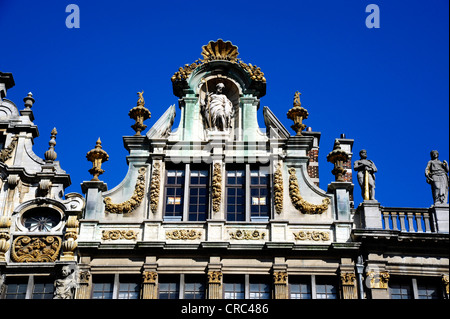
x=212 y=207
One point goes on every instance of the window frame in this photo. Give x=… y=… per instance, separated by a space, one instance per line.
x=173 y=216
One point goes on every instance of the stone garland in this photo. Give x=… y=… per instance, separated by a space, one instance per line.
x=155 y=187
x=278 y=189
x=216 y=187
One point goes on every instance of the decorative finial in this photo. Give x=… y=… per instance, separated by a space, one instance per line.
x=298 y=114
x=50 y=154
x=338 y=156
x=97 y=156
x=139 y=113
x=29 y=101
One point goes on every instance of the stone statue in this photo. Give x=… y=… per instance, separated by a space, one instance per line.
x=218 y=109
x=366 y=175
x=65 y=287
x=436 y=173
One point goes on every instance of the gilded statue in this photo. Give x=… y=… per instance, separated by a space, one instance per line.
x=437 y=176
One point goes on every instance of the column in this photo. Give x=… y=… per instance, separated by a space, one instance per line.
x=150 y=285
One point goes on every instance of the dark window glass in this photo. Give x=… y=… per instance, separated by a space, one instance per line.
x=174 y=193
x=235 y=195
x=326 y=287
x=198 y=195
x=259 y=192
x=400 y=288
x=16 y=288
x=300 y=287
x=102 y=287
x=194 y=287
x=129 y=287
x=41 y=219
x=428 y=288
x=259 y=288
x=43 y=288
x=169 y=287
x=234 y=287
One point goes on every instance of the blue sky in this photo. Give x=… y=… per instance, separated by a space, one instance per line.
x=386 y=88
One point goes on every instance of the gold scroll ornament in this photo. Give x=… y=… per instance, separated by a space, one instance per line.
x=297 y=200
x=36 y=249
x=135 y=200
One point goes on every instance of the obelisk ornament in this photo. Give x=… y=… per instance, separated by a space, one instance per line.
x=50 y=154
x=139 y=113
x=298 y=114
x=97 y=156
x=338 y=157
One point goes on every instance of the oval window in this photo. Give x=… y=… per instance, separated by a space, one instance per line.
x=41 y=219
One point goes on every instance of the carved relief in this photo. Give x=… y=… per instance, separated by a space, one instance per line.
x=36 y=249
x=348 y=278
x=312 y=235
x=70 y=244
x=297 y=200
x=214 y=277
x=378 y=280
x=216 y=187
x=183 y=234
x=116 y=234
x=5 y=223
x=278 y=189
x=247 y=234
x=135 y=200
x=155 y=187
x=149 y=277
x=280 y=278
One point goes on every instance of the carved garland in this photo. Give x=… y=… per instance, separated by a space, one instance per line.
x=36 y=249
x=247 y=234
x=278 y=189
x=135 y=200
x=116 y=234
x=155 y=187
x=312 y=235
x=183 y=234
x=297 y=200
x=216 y=187
x=6 y=153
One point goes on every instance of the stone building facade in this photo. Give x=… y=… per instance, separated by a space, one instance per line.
x=212 y=207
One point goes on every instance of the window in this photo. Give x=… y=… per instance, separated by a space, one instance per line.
x=41 y=219
x=16 y=288
x=235 y=195
x=174 y=194
x=43 y=288
x=169 y=287
x=194 y=287
x=129 y=287
x=326 y=288
x=259 y=193
x=300 y=287
x=428 y=289
x=102 y=287
x=234 y=287
x=400 y=288
x=259 y=288
x=198 y=195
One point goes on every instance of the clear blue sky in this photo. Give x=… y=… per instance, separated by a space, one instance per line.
x=386 y=88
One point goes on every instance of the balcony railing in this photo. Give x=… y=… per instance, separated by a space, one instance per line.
x=411 y=220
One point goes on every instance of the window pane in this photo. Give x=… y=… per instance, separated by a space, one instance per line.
x=326 y=287
x=300 y=287
x=16 y=288
x=235 y=289
x=259 y=288
x=169 y=287
x=102 y=287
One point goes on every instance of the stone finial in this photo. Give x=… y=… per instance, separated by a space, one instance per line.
x=298 y=114
x=139 y=113
x=97 y=156
x=338 y=157
x=29 y=101
x=50 y=154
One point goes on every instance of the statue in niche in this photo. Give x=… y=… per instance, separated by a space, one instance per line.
x=436 y=173
x=217 y=109
x=366 y=175
x=65 y=287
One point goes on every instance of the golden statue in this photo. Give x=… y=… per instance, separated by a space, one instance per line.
x=141 y=98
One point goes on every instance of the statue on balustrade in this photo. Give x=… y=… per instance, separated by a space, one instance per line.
x=366 y=175
x=437 y=176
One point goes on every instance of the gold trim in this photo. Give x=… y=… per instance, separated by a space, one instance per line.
x=183 y=234
x=155 y=187
x=217 y=187
x=278 y=189
x=297 y=200
x=116 y=234
x=135 y=200
x=149 y=277
x=214 y=277
x=36 y=249
x=247 y=235
x=378 y=280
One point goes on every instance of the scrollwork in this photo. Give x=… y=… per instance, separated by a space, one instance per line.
x=116 y=234
x=36 y=249
x=216 y=187
x=297 y=200
x=135 y=200
x=312 y=235
x=183 y=234
x=247 y=235
x=278 y=189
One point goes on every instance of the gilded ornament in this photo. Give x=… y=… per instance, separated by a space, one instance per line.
x=36 y=249
x=312 y=235
x=338 y=157
x=183 y=234
x=149 y=277
x=280 y=278
x=378 y=280
x=247 y=235
x=348 y=278
x=297 y=200
x=215 y=277
x=217 y=187
x=139 y=113
x=445 y=282
x=97 y=156
x=298 y=114
x=155 y=187
x=116 y=234
x=135 y=200
x=278 y=189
